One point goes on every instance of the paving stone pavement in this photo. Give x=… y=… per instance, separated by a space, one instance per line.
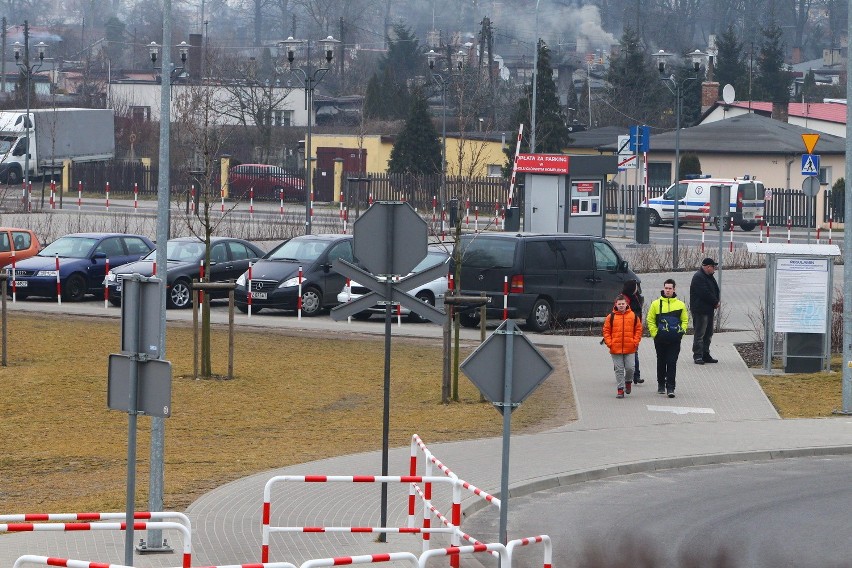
x=720 y=414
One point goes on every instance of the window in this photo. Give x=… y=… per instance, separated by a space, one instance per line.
x=495 y=170
x=111 y=247
x=576 y=255
x=586 y=198
x=539 y=256
x=605 y=257
x=342 y=251
x=22 y=239
x=218 y=253
x=140 y=113
x=825 y=176
x=4 y=242
x=489 y=253
x=282 y=117
x=239 y=251
x=135 y=245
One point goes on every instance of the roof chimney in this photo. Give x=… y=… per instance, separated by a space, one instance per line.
x=709 y=94
x=780 y=111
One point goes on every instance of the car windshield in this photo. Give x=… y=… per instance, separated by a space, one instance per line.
x=681 y=190
x=488 y=253
x=70 y=247
x=433 y=258
x=299 y=249
x=6 y=143
x=180 y=251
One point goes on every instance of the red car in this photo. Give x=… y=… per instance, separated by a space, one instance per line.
x=267 y=181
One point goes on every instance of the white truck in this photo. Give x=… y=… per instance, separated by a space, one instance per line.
x=55 y=135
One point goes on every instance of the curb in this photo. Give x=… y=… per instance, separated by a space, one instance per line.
x=594 y=474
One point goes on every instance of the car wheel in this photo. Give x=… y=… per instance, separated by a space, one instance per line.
x=425 y=297
x=311 y=302
x=469 y=319
x=20 y=295
x=180 y=294
x=653 y=218
x=13 y=177
x=541 y=316
x=748 y=226
x=244 y=308
x=74 y=288
x=115 y=302
x=725 y=227
x=363 y=316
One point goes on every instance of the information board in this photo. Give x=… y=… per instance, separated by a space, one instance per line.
x=801 y=295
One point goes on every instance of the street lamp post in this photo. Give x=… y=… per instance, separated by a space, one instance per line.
x=183 y=49
x=28 y=71
x=534 y=83
x=443 y=78
x=675 y=87
x=311 y=77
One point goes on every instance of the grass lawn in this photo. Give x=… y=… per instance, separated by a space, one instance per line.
x=295 y=398
x=807 y=395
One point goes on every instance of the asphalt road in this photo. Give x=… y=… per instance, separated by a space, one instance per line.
x=788 y=512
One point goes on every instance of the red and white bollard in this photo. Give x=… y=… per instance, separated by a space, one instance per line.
x=476 y=219
x=52 y=194
x=761 y=230
x=703 y=227
x=349 y=296
x=399 y=314
x=24 y=200
x=251 y=202
x=107 y=196
x=30 y=198
x=731 y=248
x=58 y=282
x=467 y=214
x=434 y=209
x=135 y=197
x=496 y=214
x=345 y=219
x=299 y=299
x=106 y=288
x=192 y=198
x=79 y=195
x=505 y=298
x=818 y=239
x=767 y=233
x=311 y=209
x=14 y=279
x=369 y=198
x=201 y=279
x=248 y=291
x=789 y=227
x=222 y=197
x=830 y=223
x=281 y=203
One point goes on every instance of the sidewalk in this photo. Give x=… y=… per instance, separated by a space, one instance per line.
x=720 y=414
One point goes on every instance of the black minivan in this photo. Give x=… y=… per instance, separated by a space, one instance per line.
x=548 y=275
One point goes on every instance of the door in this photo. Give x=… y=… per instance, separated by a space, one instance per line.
x=354 y=160
x=113 y=249
x=542 y=193
x=608 y=279
x=668 y=201
x=221 y=267
x=540 y=273
x=577 y=284
x=331 y=283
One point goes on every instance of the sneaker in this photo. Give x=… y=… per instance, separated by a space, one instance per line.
x=661 y=390
x=670 y=394
x=709 y=359
x=620 y=393
x=638 y=381
x=699 y=361
x=628 y=387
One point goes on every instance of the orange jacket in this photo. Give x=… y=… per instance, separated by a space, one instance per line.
x=622 y=331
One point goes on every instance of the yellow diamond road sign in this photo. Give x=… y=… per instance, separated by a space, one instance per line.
x=810 y=141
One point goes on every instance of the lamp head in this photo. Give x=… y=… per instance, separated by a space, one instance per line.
x=698 y=57
x=154 y=50
x=41 y=47
x=660 y=58
x=183 y=49
x=17 y=47
x=291 y=45
x=431 y=57
x=327 y=45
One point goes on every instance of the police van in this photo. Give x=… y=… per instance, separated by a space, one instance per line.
x=693 y=194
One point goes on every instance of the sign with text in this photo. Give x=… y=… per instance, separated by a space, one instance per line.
x=801 y=295
x=586 y=186
x=542 y=163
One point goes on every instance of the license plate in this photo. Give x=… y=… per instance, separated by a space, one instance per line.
x=258 y=295
x=20 y=283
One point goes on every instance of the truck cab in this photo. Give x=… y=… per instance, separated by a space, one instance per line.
x=693 y=201
x=13 y=147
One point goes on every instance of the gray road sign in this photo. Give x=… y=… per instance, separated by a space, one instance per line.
x=153 y=387
x=390 y=238
x=486 y=366
x=810 y=186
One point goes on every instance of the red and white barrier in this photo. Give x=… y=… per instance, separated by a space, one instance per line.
x=543 y=539
x=251 y=203
x=89 y=517
x=453 y=530
x=14 y=279
x=248 y=291
x=732 y=236
x=222 y=197
x=106 y=288
x=454 y=551
x=58 y=282
x=192 y=199
x=281 y=203
x=364 y=559
x=66 y=562
x=703 y=228
x=299 y=299
x=515 y=166
x=69 y=527
x=789 y=227
x=107 y=196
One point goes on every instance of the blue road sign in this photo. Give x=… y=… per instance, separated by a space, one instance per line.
x=810 y=164
x=640 y=139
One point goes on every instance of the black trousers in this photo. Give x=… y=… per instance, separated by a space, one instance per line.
x=667 y=354
x=703 y=330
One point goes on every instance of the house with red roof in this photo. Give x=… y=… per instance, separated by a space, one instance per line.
x=826 y=117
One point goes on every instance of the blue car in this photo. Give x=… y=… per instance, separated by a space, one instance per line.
x=82 y=264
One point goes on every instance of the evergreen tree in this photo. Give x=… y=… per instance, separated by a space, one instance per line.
x=417 y=149
x=773 y=80
x=689 y=165
x=635 y=94
x=388 y=97
x=373 y=100
x=731 y=66
x=809 y=88
x=404 y=58
x=552 y=134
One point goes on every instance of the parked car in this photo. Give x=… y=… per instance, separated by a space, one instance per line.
x=82 y=264
x=23 y=242
x=275 y=277
x=432 y=292
x=267 y=181
x=550 y=276
x=228 y=259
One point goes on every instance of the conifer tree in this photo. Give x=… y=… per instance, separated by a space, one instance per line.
x=417 y=149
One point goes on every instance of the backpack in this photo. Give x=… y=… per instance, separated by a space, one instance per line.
x=638 y=320
x=668 y=325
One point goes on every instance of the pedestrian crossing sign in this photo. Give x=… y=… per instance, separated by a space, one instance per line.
x=810 y=164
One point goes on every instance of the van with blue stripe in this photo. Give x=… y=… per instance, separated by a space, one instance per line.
x=693 y=195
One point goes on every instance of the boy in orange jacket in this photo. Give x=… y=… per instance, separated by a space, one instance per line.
x=622 y=332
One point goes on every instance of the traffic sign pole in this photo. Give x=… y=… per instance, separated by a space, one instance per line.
x=507 y=430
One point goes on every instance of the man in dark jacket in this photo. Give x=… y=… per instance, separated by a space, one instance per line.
x=703 y=302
